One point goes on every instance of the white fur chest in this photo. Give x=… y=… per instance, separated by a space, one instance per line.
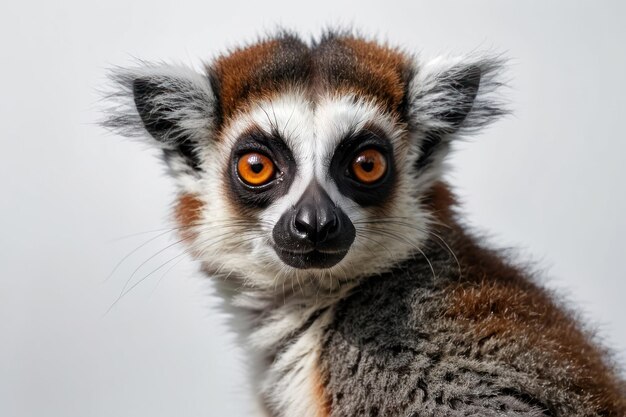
x=283 y=339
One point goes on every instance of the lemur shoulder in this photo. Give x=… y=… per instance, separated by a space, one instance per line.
x=310 y=191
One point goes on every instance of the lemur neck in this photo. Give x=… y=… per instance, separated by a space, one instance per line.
x=268 y=320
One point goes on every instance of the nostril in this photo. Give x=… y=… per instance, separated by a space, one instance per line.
x=334 y=224
x=328 y=229
x=305 y=223
x=300 y=226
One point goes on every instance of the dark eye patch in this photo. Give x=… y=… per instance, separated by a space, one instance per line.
x=272 y=146
x=364 y=194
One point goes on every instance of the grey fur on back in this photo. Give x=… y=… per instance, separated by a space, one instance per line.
x=391 y=351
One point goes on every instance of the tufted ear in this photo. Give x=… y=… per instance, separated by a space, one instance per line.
x=175 y=105
x=458 y=95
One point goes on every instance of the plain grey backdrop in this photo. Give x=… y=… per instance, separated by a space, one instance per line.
x=76 y=200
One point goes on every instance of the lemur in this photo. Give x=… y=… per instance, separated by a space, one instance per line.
x=310 y=191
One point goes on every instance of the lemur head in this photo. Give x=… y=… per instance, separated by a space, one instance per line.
x=305 y=162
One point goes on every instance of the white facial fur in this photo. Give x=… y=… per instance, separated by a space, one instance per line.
x=312 y=133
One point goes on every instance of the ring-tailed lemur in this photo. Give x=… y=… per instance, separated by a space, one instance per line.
x=310 y=191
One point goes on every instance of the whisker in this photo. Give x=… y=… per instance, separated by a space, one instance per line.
x=184 y=252
x=154 y=255
x=242 y=222
x=165 y=273
x=412 y=226
x=165 y=231
x=402 y=238
x=128 y=255
x=364 y=236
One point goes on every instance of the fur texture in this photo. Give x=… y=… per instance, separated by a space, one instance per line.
x=465 y=338
x=417 y=319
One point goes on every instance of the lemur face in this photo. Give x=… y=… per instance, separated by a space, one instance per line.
x=305 y=163
x=315 y=172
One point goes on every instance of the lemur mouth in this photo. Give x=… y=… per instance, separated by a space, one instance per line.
x=311 y=259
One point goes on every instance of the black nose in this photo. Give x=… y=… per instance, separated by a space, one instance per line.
x=316 y=220
x=314 y=233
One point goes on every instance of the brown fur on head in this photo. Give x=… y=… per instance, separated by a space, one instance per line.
x=334 y=65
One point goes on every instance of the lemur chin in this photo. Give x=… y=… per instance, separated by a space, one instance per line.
x=310 y=191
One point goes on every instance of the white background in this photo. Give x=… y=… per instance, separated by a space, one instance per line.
x=548 y=180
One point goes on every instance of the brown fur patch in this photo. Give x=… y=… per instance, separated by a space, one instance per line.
x=259 y=70
x=188 y=212
x=441 y=203
x=366 y=68
x=499 y=304
x=337 y=64
x=530 y=320
x=320 y=397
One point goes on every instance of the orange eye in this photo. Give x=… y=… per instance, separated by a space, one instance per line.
x=255 y=168
x=369 y=166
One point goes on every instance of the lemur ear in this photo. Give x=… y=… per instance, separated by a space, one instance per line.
x=457 y=93
x=449 y=96
x=173 y=104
